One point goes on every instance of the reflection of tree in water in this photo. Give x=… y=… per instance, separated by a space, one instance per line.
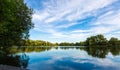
x=14 y=60
x=71 y=47
x=115 y=50
x=24 y=60
x=101 y=51
x=29 y=49
x=8 y=58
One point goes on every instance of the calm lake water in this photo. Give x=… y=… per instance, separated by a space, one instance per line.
x=63 y=58
x=73 y=58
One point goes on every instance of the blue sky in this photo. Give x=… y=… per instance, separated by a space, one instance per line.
x=74 y=20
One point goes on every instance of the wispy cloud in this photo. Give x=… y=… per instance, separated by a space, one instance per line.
x=68 y=19
x=67 y=25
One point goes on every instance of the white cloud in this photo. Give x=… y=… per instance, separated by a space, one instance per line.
x=73 y=9
x=67 y=25
x=40 y=15
x=107 y=23
x=80 y=31
x=111 y=18
x=51 y=18
x=100 y=30
x=85 y=8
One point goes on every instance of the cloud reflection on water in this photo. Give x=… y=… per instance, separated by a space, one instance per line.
x=71 y=59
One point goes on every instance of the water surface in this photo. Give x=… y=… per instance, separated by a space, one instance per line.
x=74 y=59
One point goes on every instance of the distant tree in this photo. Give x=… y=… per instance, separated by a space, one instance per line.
x=77 y=44
x=82 y=44
x=15 y=22
x=96 y=40
x=114 y=41
x=38 y=43
x=66 y=44
x=56 y=44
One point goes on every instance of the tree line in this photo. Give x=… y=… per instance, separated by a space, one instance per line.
x=36 y=43
x=98 y=40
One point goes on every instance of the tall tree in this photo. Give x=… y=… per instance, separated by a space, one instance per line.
x=15 y=22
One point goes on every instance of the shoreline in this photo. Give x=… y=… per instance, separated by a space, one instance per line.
x=7 y=67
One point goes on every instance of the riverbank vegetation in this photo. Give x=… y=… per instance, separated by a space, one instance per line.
x=38 y=43
x=97 y=40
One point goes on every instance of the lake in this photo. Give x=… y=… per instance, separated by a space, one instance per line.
x=71 y=58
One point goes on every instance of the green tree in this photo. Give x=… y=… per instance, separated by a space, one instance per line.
x=15 y=22
x=96 y=40
x=66 y=44
x=114 y=41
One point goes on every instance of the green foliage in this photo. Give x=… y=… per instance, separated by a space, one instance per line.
x=72 y=44
x=114 y=41
x=96 y=40
x=101 y=40
x=66 y=44
x=15 y=22
x=38 y=43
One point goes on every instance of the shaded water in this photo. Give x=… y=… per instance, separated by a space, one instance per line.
x=76 y=58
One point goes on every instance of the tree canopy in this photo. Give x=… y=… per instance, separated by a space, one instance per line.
x=96 y=40
x=15 y=22
x=114 y=41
